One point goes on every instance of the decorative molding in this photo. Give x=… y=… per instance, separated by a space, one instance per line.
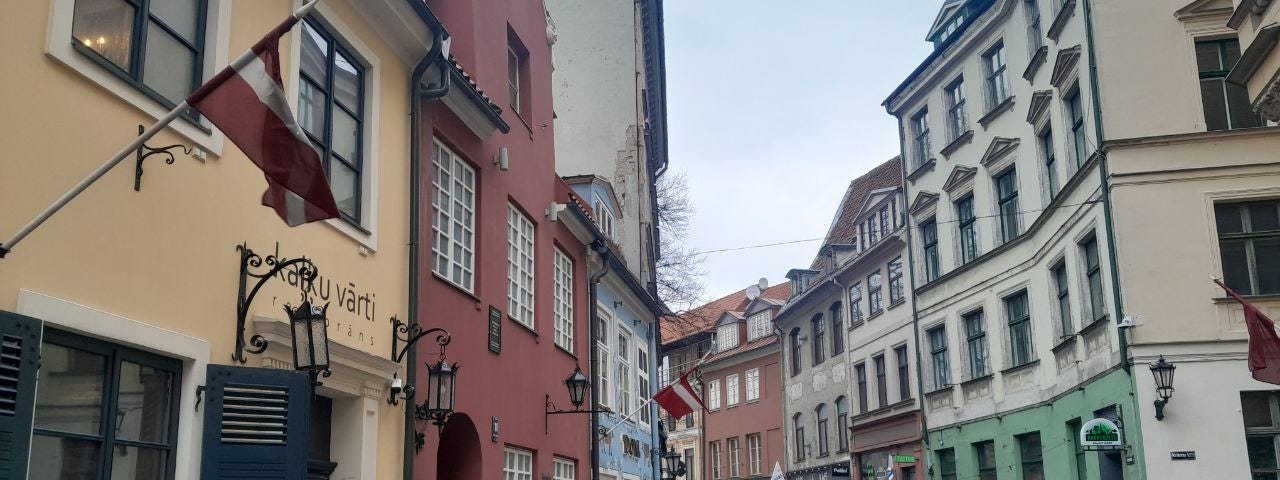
x=1038 y=112
x=1004 y=106
x=1065 y=66
x=1264 y=42
x=355 y=372
x=999 y=149
x=1268 y=104
x=921 y=170
x=1037 y=59
x=961 y=176
x=1246 y=8
x=1203 y=8
x=923 y=201
x=1065 y=12
x=958 y=142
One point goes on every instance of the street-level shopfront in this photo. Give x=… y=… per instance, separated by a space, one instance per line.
x=830 y=471
x=889 y=444
x=1044 y=441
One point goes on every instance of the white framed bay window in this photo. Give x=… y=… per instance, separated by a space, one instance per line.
x=519 y=266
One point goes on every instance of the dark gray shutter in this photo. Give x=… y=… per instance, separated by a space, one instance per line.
x=255 y=423
x=19 y=362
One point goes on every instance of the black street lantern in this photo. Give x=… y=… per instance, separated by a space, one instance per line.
x=440 y=391
x=577 y=385
x=1163 y=373
x=672 y=464
x=310 y=326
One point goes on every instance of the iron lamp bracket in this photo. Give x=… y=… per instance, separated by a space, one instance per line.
x=250 y=261
x=140 y=156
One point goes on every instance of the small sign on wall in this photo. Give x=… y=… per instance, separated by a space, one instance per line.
x=1183 y=455
x=495 y=329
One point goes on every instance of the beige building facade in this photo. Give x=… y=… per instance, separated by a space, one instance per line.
x=130 y=297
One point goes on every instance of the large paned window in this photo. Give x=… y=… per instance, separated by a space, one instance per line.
x=1261 y=412
x=755 y=454
x=997 y=80
x=623 y=376
x=753 y=384
x=896 y=292
x=797 y=422
x=453 y=225
x=517 y=464
x=875 y=304
x=855 y=304
x=1075 y=114
x=860 y=371
x=794 y=340
x=986 y=454
x=1007 y=195
x=823 y=440
x=735 y=457
x=920 y=138
x=1035 y=38
x=975 y=332
x=562 y=469
x=519 y=266
x=947 y=464
x=759 y=325
x=731 y=390
x=713 y=394
x=1093 y=275
x=837 y=328
x=716 y=471
x=1030 y=455
x=968 y=229
x=882 y=380
x=103 y=411
x=929 y=239
x=1249 y=238
x=1226 y=106
x=842 y=424
x=727 y=336
x=1062 y=286
x=818 y=328
x=518 y=82
x=603 y=216
x=938 y=356
x=957 y=118
x=1019 y=318
x=642 y=382
x=1050 y=161
x=904 y=372
x=563 y=300
x=331 y=112
x=155 y=45
x=603 y=358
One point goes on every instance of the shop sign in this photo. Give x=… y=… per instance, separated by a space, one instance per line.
x=495 y=329
x=1101 y=434
x=904 y=459
x=1184 y=455
x=840 y=471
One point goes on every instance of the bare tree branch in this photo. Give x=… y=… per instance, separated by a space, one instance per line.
x=679 y=268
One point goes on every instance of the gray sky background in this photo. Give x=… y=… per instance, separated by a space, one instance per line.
x=773 y=107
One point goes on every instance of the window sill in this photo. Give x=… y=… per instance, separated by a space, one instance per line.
x=1036 y=61
x=976 y=380
x=897 y=303
x=958 y=142
x=455 y=287
x=1095 y=323
x=1018 y=368
x=999 y=108
x=924 y=168
x=1063 y=342
x=938 y=391
x=1065 y=12
x=566 y=352
x=874 y=315
x=1261 y=297
x=854 y=325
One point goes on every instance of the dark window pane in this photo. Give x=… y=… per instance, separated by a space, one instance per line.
x=1235 y=266
x=343 y=181
x=169 y=65
x=1267 y=253
x=1233 y=53
x=1264 y=216
x=135 y=463
x=1228 y=216
x=55 y=458
x=1262 y=451
x=1207 y=58
x=315 y=53
x=1264 y=476
x=144 y=399
x=179 y=15
x=346 y=136
x=346 y=83
x=1215 y=101
x=311 y=108
x=70 y=395
x=1255 y=407
x=106 y=26
x=1242 y=114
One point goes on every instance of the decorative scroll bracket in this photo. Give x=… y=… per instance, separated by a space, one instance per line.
x=410 y=334
x=249 y=260
x=166 y=150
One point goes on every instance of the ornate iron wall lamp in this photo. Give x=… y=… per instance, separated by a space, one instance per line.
x=442 y=377
x=310 y=327
x=275 y=264
x=1163 y=373
x=137 y=170
x=408 y=335
x=672 y=465
x=577 y=384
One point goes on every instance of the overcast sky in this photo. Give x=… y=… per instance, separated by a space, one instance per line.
x=773 y=107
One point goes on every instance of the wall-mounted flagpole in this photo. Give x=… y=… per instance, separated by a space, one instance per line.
x=132 y=146
x=650 y=400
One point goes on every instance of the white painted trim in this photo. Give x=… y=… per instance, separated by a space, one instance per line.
x=193 y=352
x=217 y=35
x=373 y=98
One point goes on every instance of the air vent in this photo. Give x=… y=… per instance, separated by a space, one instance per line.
x=10 y=366
x=255 y=415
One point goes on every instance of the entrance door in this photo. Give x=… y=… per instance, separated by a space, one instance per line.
x=319 y=466
x=1110 y=464
x=459 y=453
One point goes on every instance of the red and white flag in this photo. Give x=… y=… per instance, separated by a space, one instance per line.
x=679 y=399
x=249 y=105
x=1264 y=344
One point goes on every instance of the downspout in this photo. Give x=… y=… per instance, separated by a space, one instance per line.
x=417 y=95
x=846 y=311
x=593 y=285
x=915 y=309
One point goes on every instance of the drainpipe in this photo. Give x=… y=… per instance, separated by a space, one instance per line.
x=417 y=95
x=593 y=284
x=915 y=309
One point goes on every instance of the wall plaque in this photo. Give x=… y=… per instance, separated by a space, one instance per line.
x=495 y=329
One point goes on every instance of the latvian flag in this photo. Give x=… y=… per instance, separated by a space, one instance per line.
x=679 y=399
x=249 y=105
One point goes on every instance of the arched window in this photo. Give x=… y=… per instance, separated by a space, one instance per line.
x=795 y=351
x=821 y=413
x=819 y=333
x=837 y=328
x=798 y=421
x=842 y=424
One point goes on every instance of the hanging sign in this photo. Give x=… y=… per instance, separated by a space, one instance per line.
x=1100 y=434
x=495 y=329
x=840 y=471
x=904 y=459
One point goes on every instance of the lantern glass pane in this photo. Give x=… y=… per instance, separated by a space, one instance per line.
x=442 y=380
x=319 y=342
x=301 y=345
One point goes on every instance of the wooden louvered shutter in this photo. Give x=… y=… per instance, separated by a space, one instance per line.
x=19 y=362
x=255 y=423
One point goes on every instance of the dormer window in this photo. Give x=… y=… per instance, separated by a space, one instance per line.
x=727 y=337
x=759 y=325
x=604 y=216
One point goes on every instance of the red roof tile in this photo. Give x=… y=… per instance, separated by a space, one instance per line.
x=843 y=229
x=703 y=318
x=471 y=80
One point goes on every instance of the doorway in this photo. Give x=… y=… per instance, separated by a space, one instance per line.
x=459 y=451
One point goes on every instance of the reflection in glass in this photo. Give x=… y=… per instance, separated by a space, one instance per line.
x=135 y=463
x=54 y=458
x=143 y=410
x=70 y=395
x=169 y=65
x=106 y=26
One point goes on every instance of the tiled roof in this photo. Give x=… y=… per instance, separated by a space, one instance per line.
x=746 y=347
x=703 y=318
x=471 y=80
x=843 y=228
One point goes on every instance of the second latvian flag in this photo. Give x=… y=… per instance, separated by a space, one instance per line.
x=249 y=105
x=679 y=399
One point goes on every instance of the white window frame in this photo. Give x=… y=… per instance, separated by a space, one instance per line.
x=562 y=298
x=563 y=469
x=513 y=468
x=604 y=370
x=735 y=456
x=625 y=385
x=465 y=266
x=753 y=454
x=717 y=472
x=727 y=337
x=753 y=384
x=731 y=390
x=643 y=383
x=520 y=266
x=513 y=79
x=604 y=216
x=713 y=395
x=759 y=325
